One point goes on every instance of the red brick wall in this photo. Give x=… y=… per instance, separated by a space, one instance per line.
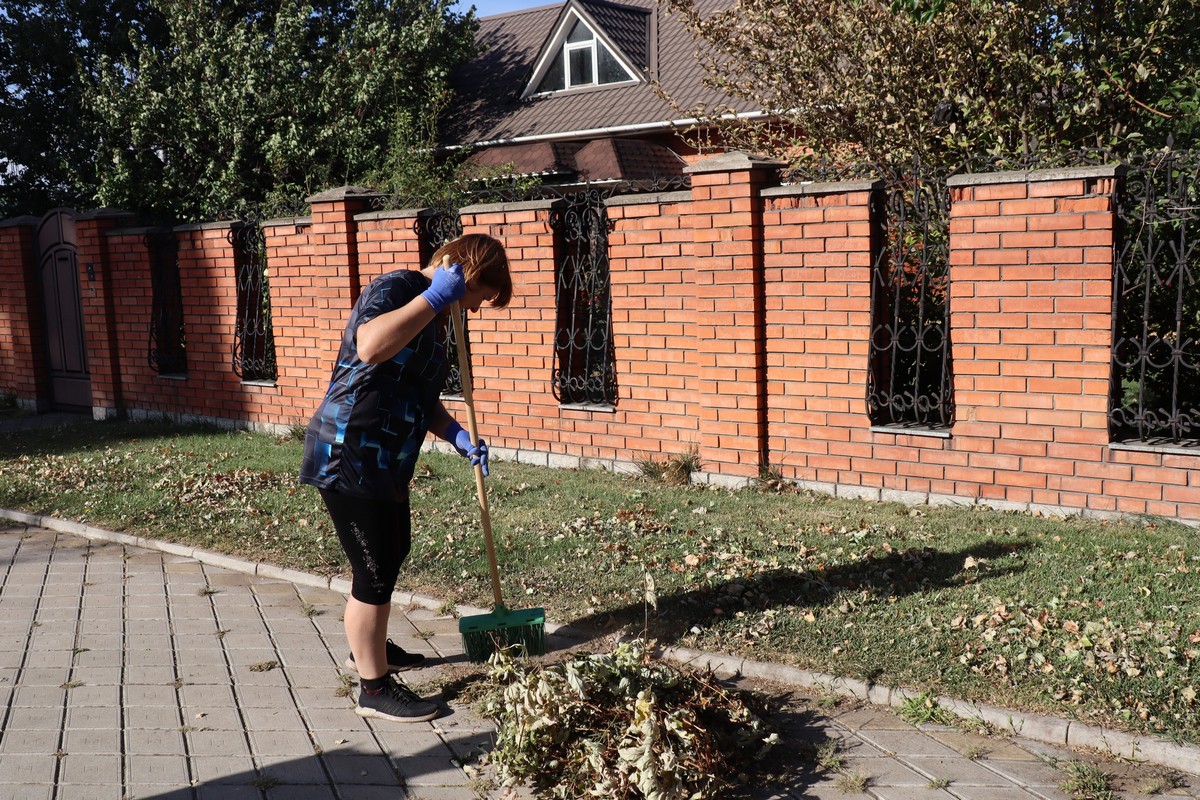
x=741 y=318
x=1031 y=296
x=101 y=309
x=818 y=276
x=22 y=358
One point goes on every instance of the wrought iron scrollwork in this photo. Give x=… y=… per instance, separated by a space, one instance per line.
x=585 y=370
x=167 y=350
x=435 y=227
x=585 y=359
x=253 y=338
x=1155 y=394
x=909 y=376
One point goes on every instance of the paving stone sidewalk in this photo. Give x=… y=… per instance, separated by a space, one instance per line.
x=134 y=673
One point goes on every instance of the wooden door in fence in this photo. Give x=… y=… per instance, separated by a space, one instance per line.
x=58 y=270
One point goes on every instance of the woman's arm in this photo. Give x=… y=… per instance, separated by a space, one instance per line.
x=381 y=338
x=440 y=420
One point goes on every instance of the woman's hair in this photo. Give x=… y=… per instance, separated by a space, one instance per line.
x=483 y=261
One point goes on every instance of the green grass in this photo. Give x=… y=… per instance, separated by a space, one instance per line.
x=924 y=709
x=1080 y=618
x=1087 y=782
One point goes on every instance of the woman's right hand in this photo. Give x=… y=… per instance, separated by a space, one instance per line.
x=448 y=286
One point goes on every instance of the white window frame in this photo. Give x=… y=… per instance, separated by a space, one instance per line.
x=571 y=47
x=561 y=45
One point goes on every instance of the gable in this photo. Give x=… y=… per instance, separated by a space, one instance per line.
x=592 y=44
x=489 y=107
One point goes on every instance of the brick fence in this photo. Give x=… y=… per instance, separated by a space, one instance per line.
x=741 y=321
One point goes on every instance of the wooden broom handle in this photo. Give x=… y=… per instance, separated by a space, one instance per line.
x=464 y=369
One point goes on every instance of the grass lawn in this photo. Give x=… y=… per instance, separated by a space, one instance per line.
x=1078 y=618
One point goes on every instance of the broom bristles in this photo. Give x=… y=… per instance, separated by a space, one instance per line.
x=483 y=633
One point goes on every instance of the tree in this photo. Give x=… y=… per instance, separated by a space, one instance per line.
x=254 y=102
x=951 y=78
x=46 y=149
x=184 y=109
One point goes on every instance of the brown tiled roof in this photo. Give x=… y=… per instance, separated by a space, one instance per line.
x=604 y=159
x=626 y=159
x=531 y=158
x=490 y=109
x=628 y=26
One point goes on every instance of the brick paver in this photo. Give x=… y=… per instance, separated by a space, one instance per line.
x=134 y=673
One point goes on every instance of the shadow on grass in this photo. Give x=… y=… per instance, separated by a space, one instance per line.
x=61 y=434
x=894 y=574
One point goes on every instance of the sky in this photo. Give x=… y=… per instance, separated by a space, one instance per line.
x=486 y=8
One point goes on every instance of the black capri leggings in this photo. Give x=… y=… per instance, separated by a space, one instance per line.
x=376 y=535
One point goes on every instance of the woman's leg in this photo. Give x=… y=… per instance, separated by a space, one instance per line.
x=366 y=631
x=376 y=537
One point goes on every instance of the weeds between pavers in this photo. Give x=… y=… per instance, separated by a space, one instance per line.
x=1085 y=618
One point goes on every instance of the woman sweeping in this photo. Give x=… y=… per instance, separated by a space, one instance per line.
x=363 y=442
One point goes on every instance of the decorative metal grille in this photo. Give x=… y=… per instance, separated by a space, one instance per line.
x=433 y=230
x=585 y=361
x=1156 y=302
x=909 y=375
x=585 y=369
x=167 y=352
x=253 y=335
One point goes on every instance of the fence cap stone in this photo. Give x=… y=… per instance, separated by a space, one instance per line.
x=521 y=205
x=736 y=161
x=1036 y=175
x=822 y=187
x=342 y=193
x=395 y=213
x=106 y=213
x=25 y=220
x=280 y=222
x=207 y=226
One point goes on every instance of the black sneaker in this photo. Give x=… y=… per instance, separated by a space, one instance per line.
x=398 y=659
x=396 y=702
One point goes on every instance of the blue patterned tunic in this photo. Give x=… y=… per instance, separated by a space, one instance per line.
x=365 y=437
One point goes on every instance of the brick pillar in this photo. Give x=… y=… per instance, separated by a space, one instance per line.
x=314 y=277
x=512 y=351
x=818 y=264
x=730 y=351
x=1031 y=330
x=388 y=241
x=22 y=336
x=99 y=307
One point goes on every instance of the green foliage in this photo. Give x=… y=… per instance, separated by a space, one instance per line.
x=46 y=149
x=1087 y=782
x=925 y=709
x=942 y=79
x=624 y=726
x=185 y=109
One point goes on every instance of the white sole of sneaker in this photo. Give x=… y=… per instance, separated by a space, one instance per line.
x=373 y=714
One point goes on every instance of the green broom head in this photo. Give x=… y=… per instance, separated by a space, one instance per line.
x=483 y=633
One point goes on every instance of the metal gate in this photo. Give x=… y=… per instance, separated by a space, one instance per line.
x=58 y=273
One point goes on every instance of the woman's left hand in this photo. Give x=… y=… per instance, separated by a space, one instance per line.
x=477 y=453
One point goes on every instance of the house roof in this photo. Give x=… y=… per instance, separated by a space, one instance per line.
x=598 y=160
x=489 y=108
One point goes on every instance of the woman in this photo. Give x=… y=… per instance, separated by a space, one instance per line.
x=363 y=442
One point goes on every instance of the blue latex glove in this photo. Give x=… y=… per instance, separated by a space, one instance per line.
x=461 y=440
x=448 y=286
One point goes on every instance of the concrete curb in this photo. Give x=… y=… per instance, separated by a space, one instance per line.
x=1035 y=727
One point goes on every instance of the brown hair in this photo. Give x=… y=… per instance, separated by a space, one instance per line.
x=483 y=261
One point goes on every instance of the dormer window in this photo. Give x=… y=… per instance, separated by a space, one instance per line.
x=581 y=58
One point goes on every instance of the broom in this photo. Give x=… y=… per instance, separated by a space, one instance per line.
x=482 y=633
